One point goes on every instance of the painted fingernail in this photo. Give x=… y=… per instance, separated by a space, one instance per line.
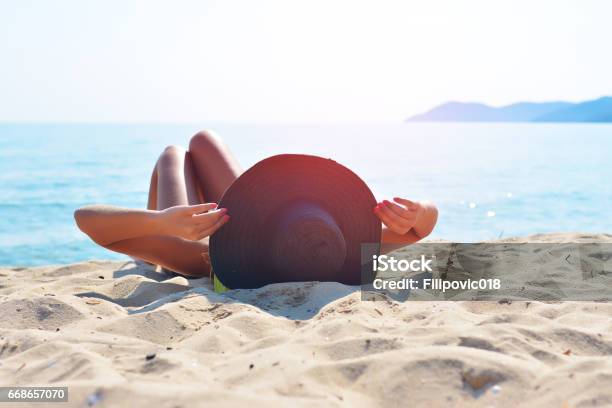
x=387 y=202
x=226 y=217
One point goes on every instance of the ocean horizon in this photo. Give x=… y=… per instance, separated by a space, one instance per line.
x=489 y=180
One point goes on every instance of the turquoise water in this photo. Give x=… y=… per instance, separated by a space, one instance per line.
x=519 y=178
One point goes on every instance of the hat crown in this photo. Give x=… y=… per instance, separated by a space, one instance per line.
x=295 y=218
x=307 y=242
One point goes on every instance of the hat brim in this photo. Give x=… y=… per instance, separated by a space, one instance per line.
x=239 y=250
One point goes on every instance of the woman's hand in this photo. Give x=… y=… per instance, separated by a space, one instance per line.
x=400 y=216
x=192 y=222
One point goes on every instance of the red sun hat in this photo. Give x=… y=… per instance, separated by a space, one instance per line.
x=296 y=218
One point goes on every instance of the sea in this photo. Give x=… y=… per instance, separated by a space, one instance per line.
x=489 y=180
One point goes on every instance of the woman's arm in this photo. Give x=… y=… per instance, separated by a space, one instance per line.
x=107 y=225
x=406 y=222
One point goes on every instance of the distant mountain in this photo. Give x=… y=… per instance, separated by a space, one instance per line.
x=599 y=110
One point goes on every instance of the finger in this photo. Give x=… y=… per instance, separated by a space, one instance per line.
x=202 y=208
x=390 y=219
x=209 y=217
x=213 y=228
x=400 y=211
x=384 y=218
x=210 y=228
x=395 y=219
x=411 y=205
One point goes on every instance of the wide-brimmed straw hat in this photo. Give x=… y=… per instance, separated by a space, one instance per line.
x=295 y=218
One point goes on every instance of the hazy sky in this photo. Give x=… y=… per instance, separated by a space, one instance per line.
x=289 y=61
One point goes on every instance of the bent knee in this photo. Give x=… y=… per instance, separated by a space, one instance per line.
x=172 y=155
x=204 y=140
x=173 y=150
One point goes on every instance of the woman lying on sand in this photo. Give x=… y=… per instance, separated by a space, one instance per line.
x=182 y=212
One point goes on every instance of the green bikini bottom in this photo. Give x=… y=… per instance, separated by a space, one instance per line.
x=217 y=285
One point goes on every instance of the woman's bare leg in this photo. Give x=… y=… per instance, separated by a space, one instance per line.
x=215 y=167
x=172 y=183
x=180 y=178
x=176 y=183
x=152 y=201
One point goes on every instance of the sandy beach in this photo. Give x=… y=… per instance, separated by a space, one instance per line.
x=121 y=334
